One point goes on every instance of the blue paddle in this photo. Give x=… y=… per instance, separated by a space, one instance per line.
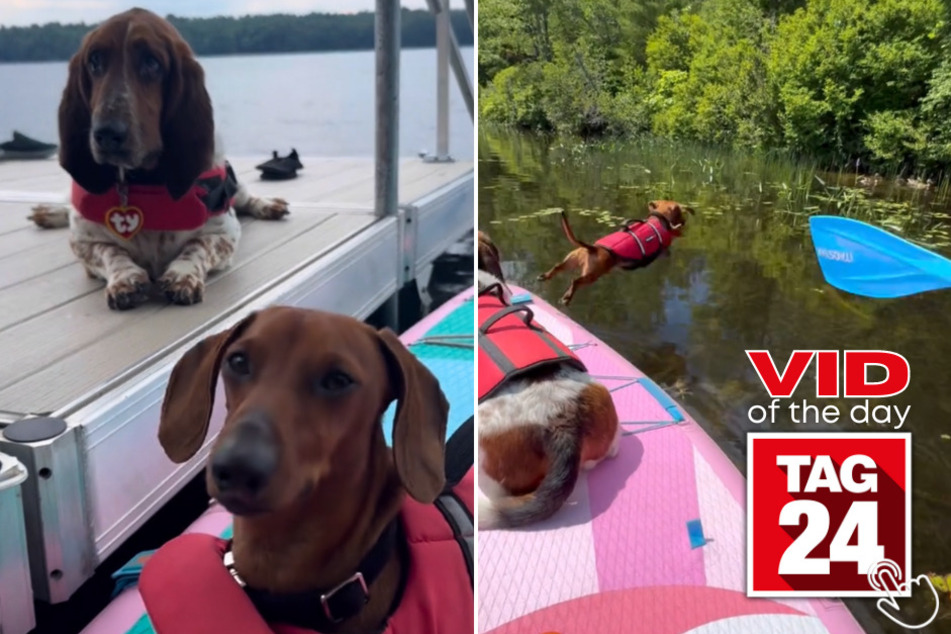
x=862 y=259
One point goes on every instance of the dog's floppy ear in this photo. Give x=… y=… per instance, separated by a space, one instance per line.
x=75 y=122
x=489 y=257
x=676 y=215
x=188 y=125
x=190 y=395
x=419 y=427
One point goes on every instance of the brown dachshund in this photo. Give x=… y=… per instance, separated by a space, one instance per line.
x=301 y=460
x=636 y=244
x=152 y=204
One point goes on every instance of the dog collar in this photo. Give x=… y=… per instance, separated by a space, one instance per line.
x=660 y=217
x=322 y=609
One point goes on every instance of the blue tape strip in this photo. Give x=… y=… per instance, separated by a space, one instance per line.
x=521 y=298
x=663 y=398
x=695 y=531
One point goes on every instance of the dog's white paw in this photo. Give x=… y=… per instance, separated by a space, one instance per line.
x=128 y=289
x=270 y=208
x=183 y=285
x=615 y=447
x=487 y=516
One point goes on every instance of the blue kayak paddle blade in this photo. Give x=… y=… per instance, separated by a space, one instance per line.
x=862 y=259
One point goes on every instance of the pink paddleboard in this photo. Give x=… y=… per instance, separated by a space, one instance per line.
x=652 y=541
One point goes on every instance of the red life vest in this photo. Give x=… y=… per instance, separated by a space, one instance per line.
x=187 y=589
x=640 y=240
x=152 y=208
x=511 y=344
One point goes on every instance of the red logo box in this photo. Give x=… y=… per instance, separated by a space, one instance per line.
x=822 y=509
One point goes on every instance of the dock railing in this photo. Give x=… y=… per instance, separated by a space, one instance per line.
x=448 y=54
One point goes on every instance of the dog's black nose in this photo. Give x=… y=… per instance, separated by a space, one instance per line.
x=246 y=458
x=111 y=135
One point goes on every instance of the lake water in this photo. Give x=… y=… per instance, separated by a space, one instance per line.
x=320 y=103
x=744 y=276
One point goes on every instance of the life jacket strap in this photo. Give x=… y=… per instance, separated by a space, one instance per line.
x=459 y=459
x=460 y=452
x=637 y=241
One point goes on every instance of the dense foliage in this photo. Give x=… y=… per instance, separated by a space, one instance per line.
x=247 y=34
x=835 y=80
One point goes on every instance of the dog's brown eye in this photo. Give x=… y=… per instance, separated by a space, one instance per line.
x=239 y=364
x=151 y=65
x=95 y=63
x=335 y=382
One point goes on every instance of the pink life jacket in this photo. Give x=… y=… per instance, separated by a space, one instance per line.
x=641 y=240
x=152 y=208
x=187 y=589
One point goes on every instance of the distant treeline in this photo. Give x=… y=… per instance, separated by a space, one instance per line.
x=241 y=35
x=846 y=82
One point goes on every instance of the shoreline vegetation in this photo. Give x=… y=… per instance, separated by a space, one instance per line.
x=858 y=86
x=251 y=34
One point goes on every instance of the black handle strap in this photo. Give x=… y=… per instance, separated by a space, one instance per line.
x=459 y=458
x=494 y=289
x=527 y=317
x=631 y=222
x=460 y=452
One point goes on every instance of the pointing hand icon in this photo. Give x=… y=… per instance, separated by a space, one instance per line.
x=886 y=576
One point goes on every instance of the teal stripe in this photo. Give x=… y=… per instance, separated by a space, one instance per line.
x=142 y=626
x=460 y=326
x=452 y=365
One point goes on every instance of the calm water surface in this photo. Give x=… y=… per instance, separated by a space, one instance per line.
x=744 y=276
x=320 y=103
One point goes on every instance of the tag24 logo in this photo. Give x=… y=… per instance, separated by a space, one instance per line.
x=823 y=509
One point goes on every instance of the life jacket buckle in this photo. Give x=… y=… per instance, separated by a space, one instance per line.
x=228 y=561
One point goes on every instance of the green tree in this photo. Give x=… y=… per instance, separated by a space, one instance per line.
x=849 y=73
x=711 y=75
x=832 y=80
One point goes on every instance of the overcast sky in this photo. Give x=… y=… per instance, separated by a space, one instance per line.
x=26 y=12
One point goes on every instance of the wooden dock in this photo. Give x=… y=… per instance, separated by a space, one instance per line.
x=68 y=356
x=56 y=332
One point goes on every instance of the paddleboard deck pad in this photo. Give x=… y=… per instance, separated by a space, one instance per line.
x=650 y=542
x=442 y=341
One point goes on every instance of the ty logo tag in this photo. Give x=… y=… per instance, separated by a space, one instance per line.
x=885 y=576
x=125 y=222
x=823 y=508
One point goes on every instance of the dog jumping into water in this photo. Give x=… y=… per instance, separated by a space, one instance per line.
x=634 y=245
